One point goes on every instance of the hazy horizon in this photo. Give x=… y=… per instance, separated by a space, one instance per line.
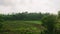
x=16 y=6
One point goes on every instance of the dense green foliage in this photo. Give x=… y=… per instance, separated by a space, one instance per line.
x=24 y=16
x=49 y=22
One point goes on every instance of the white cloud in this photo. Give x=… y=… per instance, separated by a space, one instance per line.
x=9 y=6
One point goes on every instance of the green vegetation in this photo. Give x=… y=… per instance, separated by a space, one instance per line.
x=22 y=26
x=49 y=22
x=30 y=23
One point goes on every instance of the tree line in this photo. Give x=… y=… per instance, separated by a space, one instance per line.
x=23 y=16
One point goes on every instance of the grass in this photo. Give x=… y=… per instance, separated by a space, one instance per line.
x=23 y=27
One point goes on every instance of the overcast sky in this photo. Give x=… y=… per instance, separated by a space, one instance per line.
x=16 y=6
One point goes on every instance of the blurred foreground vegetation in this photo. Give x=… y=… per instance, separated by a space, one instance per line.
x=30 y=23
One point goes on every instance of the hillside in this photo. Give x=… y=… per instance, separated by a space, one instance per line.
x=22 y=27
